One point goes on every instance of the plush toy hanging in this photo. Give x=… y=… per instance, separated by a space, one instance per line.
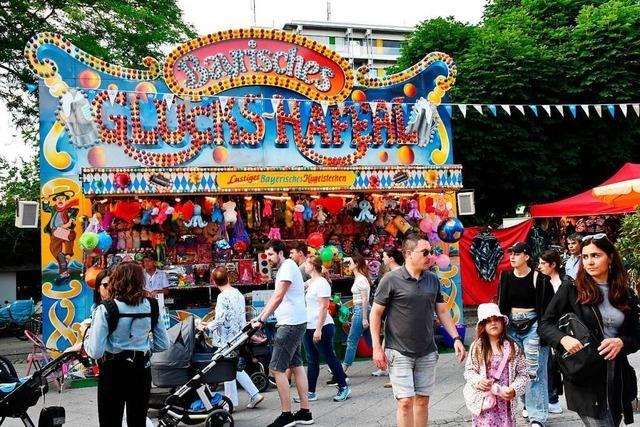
x=95 y=224
x=288 y=213
x=216 y=213
x=414 y=213
x=274 y=233
x=320 y=215
x=307 y=214
x=127 y=211
x=230 y=214
x=147 y=210
x=196 y=220
x=298 y=212
x=188 y=209
x=248 y=207
x=239 y=233
x=267 y=211
x=121 y=245
x=365 y=212
x=136 y=239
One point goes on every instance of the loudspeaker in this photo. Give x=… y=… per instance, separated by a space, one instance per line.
x=27 y=214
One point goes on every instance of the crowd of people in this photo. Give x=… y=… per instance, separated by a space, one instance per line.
x=521 y=345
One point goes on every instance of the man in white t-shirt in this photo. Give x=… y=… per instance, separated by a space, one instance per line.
x=287 y=303
x=156 y=281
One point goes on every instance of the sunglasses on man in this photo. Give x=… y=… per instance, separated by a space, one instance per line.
x=425 y=252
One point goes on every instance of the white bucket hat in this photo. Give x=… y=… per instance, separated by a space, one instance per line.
x=488 y=310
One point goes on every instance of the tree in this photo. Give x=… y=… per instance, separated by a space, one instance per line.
x=121 y=32
x=540 y=52
x=629 y=245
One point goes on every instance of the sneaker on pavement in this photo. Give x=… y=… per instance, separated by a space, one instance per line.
x=311 y=396
x=334 y=381
x=525 y=414
x=536 y=424
x=285 y=419
x=342 y=395
x=255 y=401
x=303 y=417
x=555 y=408
x=387 y=385
x=380 y=373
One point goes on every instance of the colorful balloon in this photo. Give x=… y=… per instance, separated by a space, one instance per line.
x=326 y=254
x=450 y=230
x=443 y=261
x=426 y=225
x=90 y=275
x=104 y=241
x=315 y=240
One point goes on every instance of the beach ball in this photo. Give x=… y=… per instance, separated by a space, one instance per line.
x=450 y=230
x=88 y=240
x=104 y=241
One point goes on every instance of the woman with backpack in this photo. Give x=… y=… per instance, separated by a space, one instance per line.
x=601 y=303
x=523 y=296
x=123 y=333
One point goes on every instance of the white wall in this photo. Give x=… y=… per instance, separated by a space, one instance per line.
x=7 y=287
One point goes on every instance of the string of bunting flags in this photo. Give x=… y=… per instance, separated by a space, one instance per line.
x=492 y=109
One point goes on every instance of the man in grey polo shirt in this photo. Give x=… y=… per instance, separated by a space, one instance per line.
x=409 y=296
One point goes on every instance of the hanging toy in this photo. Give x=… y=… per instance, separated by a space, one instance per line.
x=267 y=211
x=298 y=212
x=121 y=245
x=248 y=207
x=274 y=233
x=136 y=239
x=307 y=214
x=365 y=212
x=147 y=210
x=216 y=213
x=95 y=224
x=230 y=214
x=288 y=213
x=107 y=219
x=378 y=205
x=196 y=220
x=414 y=213
x=321 y=217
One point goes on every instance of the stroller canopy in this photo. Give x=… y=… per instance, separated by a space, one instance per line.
x=181 y=344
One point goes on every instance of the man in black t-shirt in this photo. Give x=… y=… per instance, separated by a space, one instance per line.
x=409 y=296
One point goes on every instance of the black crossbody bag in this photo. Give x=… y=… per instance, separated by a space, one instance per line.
x=522 y=326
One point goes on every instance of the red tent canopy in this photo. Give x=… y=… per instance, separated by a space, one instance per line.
x=586 y=203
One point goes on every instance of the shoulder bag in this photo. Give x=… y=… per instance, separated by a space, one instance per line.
x=581 y=366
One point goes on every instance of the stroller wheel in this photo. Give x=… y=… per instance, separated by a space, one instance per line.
x=225 y=404
x=260 y=380
x=219 y=418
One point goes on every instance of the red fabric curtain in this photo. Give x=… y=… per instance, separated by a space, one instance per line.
x=474 y=289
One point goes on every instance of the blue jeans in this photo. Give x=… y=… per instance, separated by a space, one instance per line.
x=355 y=333
x=323 y=348
x=536 y=397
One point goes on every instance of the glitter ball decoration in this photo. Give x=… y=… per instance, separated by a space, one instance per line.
x=89 y=79
x=383 y=156
x=97 y=157
x=358 y=96
x=410 y=90
x=406 y=155
x=220 y=155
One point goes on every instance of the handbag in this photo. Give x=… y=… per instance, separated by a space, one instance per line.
x=52 y=416
x=62 y=233
x=490 y=398
x=580 y=366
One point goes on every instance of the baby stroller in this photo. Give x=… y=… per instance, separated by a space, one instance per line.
x=254 y=356
x=17 y=395
x=194 y=401
x=18 y=316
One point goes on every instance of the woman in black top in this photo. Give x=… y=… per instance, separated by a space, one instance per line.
x=523 y=295
x=602 y=300
x=549 y=265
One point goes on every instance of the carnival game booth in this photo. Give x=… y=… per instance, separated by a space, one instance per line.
x=237 y=137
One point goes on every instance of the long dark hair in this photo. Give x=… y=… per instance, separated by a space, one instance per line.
x=361 y=265
x=127 y=283
x=551 y=256
x=588 y=292
x=97 y=299
x=483 y=351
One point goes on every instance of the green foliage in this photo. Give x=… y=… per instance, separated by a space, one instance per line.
x=122 y=32
x=18 y=246
x=539 y=52
x=629 y=242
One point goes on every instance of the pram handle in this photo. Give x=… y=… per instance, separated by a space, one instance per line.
x=250 y=330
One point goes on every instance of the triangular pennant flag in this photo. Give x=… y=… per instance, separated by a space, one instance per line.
x=520 y=108
x=612 y=110
x=534 y=109
x=547 y=108
x=636 y=108
x=574 y=111
x=623 y=108
x=374 y=107
x=598 y=109
x=506 y=108
x=274 y=103
x=478 y=108
x=223 y=102
x=449 y=110
x=560 y=109
x=585 y=108
x=463 y=110
x=325 y=106
x=341 y=107
x=112 y=93
x=292 y=104
x=493 y=109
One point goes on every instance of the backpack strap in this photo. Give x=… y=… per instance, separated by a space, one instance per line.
x=114 y=314
x=155 y=312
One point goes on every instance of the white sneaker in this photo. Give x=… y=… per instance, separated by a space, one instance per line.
x=255 y=401
x=525 y=414
x=380 y=373
x=555 y=408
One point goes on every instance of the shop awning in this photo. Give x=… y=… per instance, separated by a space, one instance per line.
x=587 y=203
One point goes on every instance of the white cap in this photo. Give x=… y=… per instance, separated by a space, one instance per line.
x=488 y=310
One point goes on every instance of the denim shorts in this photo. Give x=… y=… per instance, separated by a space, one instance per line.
x=411 y=376
x=287 y=347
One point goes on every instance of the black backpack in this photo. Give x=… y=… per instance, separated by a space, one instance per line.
x=114 y=315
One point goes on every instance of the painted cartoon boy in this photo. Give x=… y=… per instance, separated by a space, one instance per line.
x=61 y=226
